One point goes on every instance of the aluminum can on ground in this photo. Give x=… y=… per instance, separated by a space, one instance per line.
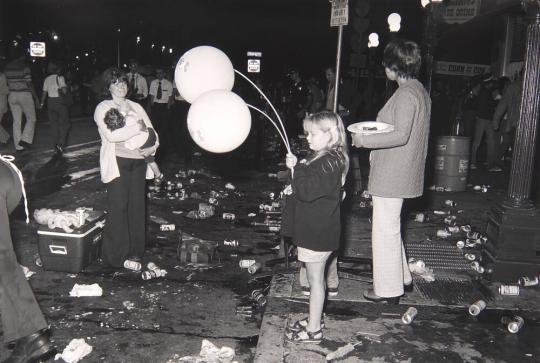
x=509 y=289
x=152 y=274
x=254 y=268
x=132 y=265
x=477 y=307
x=528 y=281
x=167 y=227
x=514 y=323
x=230 y=242
x=229 y=216
x=409 y=315
x=246 y=263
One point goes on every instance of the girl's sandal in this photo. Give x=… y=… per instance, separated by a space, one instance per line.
x=301 y=324
x=304 y=336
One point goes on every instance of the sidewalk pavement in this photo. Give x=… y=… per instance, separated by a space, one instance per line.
x=443 y=330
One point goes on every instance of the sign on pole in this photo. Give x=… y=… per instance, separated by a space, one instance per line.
x=460 y=69
x=340 y=13
x=254 y=66
x=460 y=11
x=37 y=49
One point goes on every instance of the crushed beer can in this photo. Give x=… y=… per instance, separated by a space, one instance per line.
x=254 y=268
x=470 y=256
x=246 y=263
x=132 y=265
x=230 y=186
x=450 y=203
x=452 y=229
x=259 y=297
x=450 y=220
x=460 y=244
x=466 y=228
x=230 y=242
x=229 y=216
x=152 y=274
x=526 y=281
x=213 y=201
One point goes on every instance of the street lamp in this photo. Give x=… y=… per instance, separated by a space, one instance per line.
x=394 y=22
x=373 y=40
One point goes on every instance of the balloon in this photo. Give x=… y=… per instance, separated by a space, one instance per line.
x=202 y=69
x=219 y=121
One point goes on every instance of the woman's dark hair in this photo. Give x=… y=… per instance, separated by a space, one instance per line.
x=403 y=57
x=114 y=119
x=110 y=76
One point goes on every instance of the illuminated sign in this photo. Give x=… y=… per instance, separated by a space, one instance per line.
x=37 y=49
x=254 y=66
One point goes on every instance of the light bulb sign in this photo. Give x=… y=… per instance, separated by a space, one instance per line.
x=254 y=65
x=37 y=49
x=340 y=13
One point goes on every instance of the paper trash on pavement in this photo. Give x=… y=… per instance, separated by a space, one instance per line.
x=421 y=270
x=26 y=271
x=76 y=350
x=209 y=354
x=86 y=290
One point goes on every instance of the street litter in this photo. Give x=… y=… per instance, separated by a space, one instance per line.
x=129 y=305
x=209 y=354
x=477 y=307
x=514 y=323
x=424 y=272
x=76 y=350
x=132 y=265
x=151 y=274
x=158 y=220
x=86 y=290
x=230 y=186
x=509 y=289
x=26 y=271
x=254 y=268
x=246 y=263
x=409 y=315
x=341 y=352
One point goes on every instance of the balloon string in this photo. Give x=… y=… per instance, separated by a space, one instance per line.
x=8 y=159
x=275 y=125
x=271 y=105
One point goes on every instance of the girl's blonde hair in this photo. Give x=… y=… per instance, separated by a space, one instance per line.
x=328 y=121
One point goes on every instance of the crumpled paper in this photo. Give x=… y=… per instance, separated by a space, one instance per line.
x=55 y=218
x=26 y=271
x=76 y=350
x=86 y=290
x=209 y=354
x=418 y=267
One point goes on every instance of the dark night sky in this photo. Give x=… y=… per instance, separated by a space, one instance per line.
x=288 y=32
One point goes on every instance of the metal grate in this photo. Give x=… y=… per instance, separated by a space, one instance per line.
x=439 y=257
x=453 y=291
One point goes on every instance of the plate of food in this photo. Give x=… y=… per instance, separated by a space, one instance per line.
x=370 y=127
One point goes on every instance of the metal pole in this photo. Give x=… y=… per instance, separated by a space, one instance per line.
x=338 y=63
x=118 y=52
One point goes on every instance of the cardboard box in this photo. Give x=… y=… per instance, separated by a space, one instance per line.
x=71 y=252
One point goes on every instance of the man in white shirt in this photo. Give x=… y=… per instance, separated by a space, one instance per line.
x=138 y=88
x=161 y=92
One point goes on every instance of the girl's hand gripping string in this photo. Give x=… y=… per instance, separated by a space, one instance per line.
x=290 y=161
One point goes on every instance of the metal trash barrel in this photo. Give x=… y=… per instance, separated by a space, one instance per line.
x=452 y=163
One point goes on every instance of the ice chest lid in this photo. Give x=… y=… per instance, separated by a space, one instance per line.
x=95 y=220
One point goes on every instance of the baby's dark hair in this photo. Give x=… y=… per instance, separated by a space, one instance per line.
x=114 y=119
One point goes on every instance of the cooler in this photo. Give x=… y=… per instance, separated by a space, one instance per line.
x=71 y=252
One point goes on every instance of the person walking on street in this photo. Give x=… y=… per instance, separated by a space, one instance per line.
x=123 y=171
x=483 y=125
x=316 y=198
x=22 y=100
x=54 y=87
x=22 y=320
x=397 y=168
x=138 y=87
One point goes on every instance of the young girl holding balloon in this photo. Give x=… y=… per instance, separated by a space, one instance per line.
x=316 y=197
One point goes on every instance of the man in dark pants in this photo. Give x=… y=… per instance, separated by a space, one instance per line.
x=182 y=140
x=22 y=320
x=161 y=91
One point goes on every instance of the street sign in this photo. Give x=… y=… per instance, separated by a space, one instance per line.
x=254 y=54
x=460 y=69
x=254 y=66
x=37 y=49
x=460 y=11
x=340 y=13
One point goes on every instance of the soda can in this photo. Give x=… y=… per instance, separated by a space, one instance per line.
x=246 y=263
x=450 y=203
x=440 y=212
x=132 y=265
x=473 y=235
x=152 y=274
x=470 y=256
x=443 y=233
x=514 y=323
x=450 y=220
x=466 y=228
x=409 y=315
x=528 y=281
x=254 y=268
x=213 y=201
x=259 y=297
x=439 y=189
x=167 y=227
x=460 y=244
x=214 y=194
x=152 y=266
x=509 y=290
x=477 y=307
x=420 y=217
x=452 y=229
x=230 y=242
x=229 y=216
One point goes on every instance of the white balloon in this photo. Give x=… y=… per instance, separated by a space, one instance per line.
x=219 y=121
x=202 y=69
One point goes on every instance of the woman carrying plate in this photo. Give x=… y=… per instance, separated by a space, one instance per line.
x=397 y=167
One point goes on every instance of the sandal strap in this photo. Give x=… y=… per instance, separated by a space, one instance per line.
x=302 y=324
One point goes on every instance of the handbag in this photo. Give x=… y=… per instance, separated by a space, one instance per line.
x=65 y=94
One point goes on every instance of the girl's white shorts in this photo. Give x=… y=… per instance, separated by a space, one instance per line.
x=306 y=255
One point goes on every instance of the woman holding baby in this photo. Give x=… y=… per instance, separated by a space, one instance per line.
x=123 y=170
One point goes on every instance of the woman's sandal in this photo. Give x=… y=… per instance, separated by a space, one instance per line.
x=301 y=324
x=304 y=336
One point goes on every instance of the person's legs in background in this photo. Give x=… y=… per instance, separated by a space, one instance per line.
x=16 y=112
x=29 y=110
x=479 y=130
